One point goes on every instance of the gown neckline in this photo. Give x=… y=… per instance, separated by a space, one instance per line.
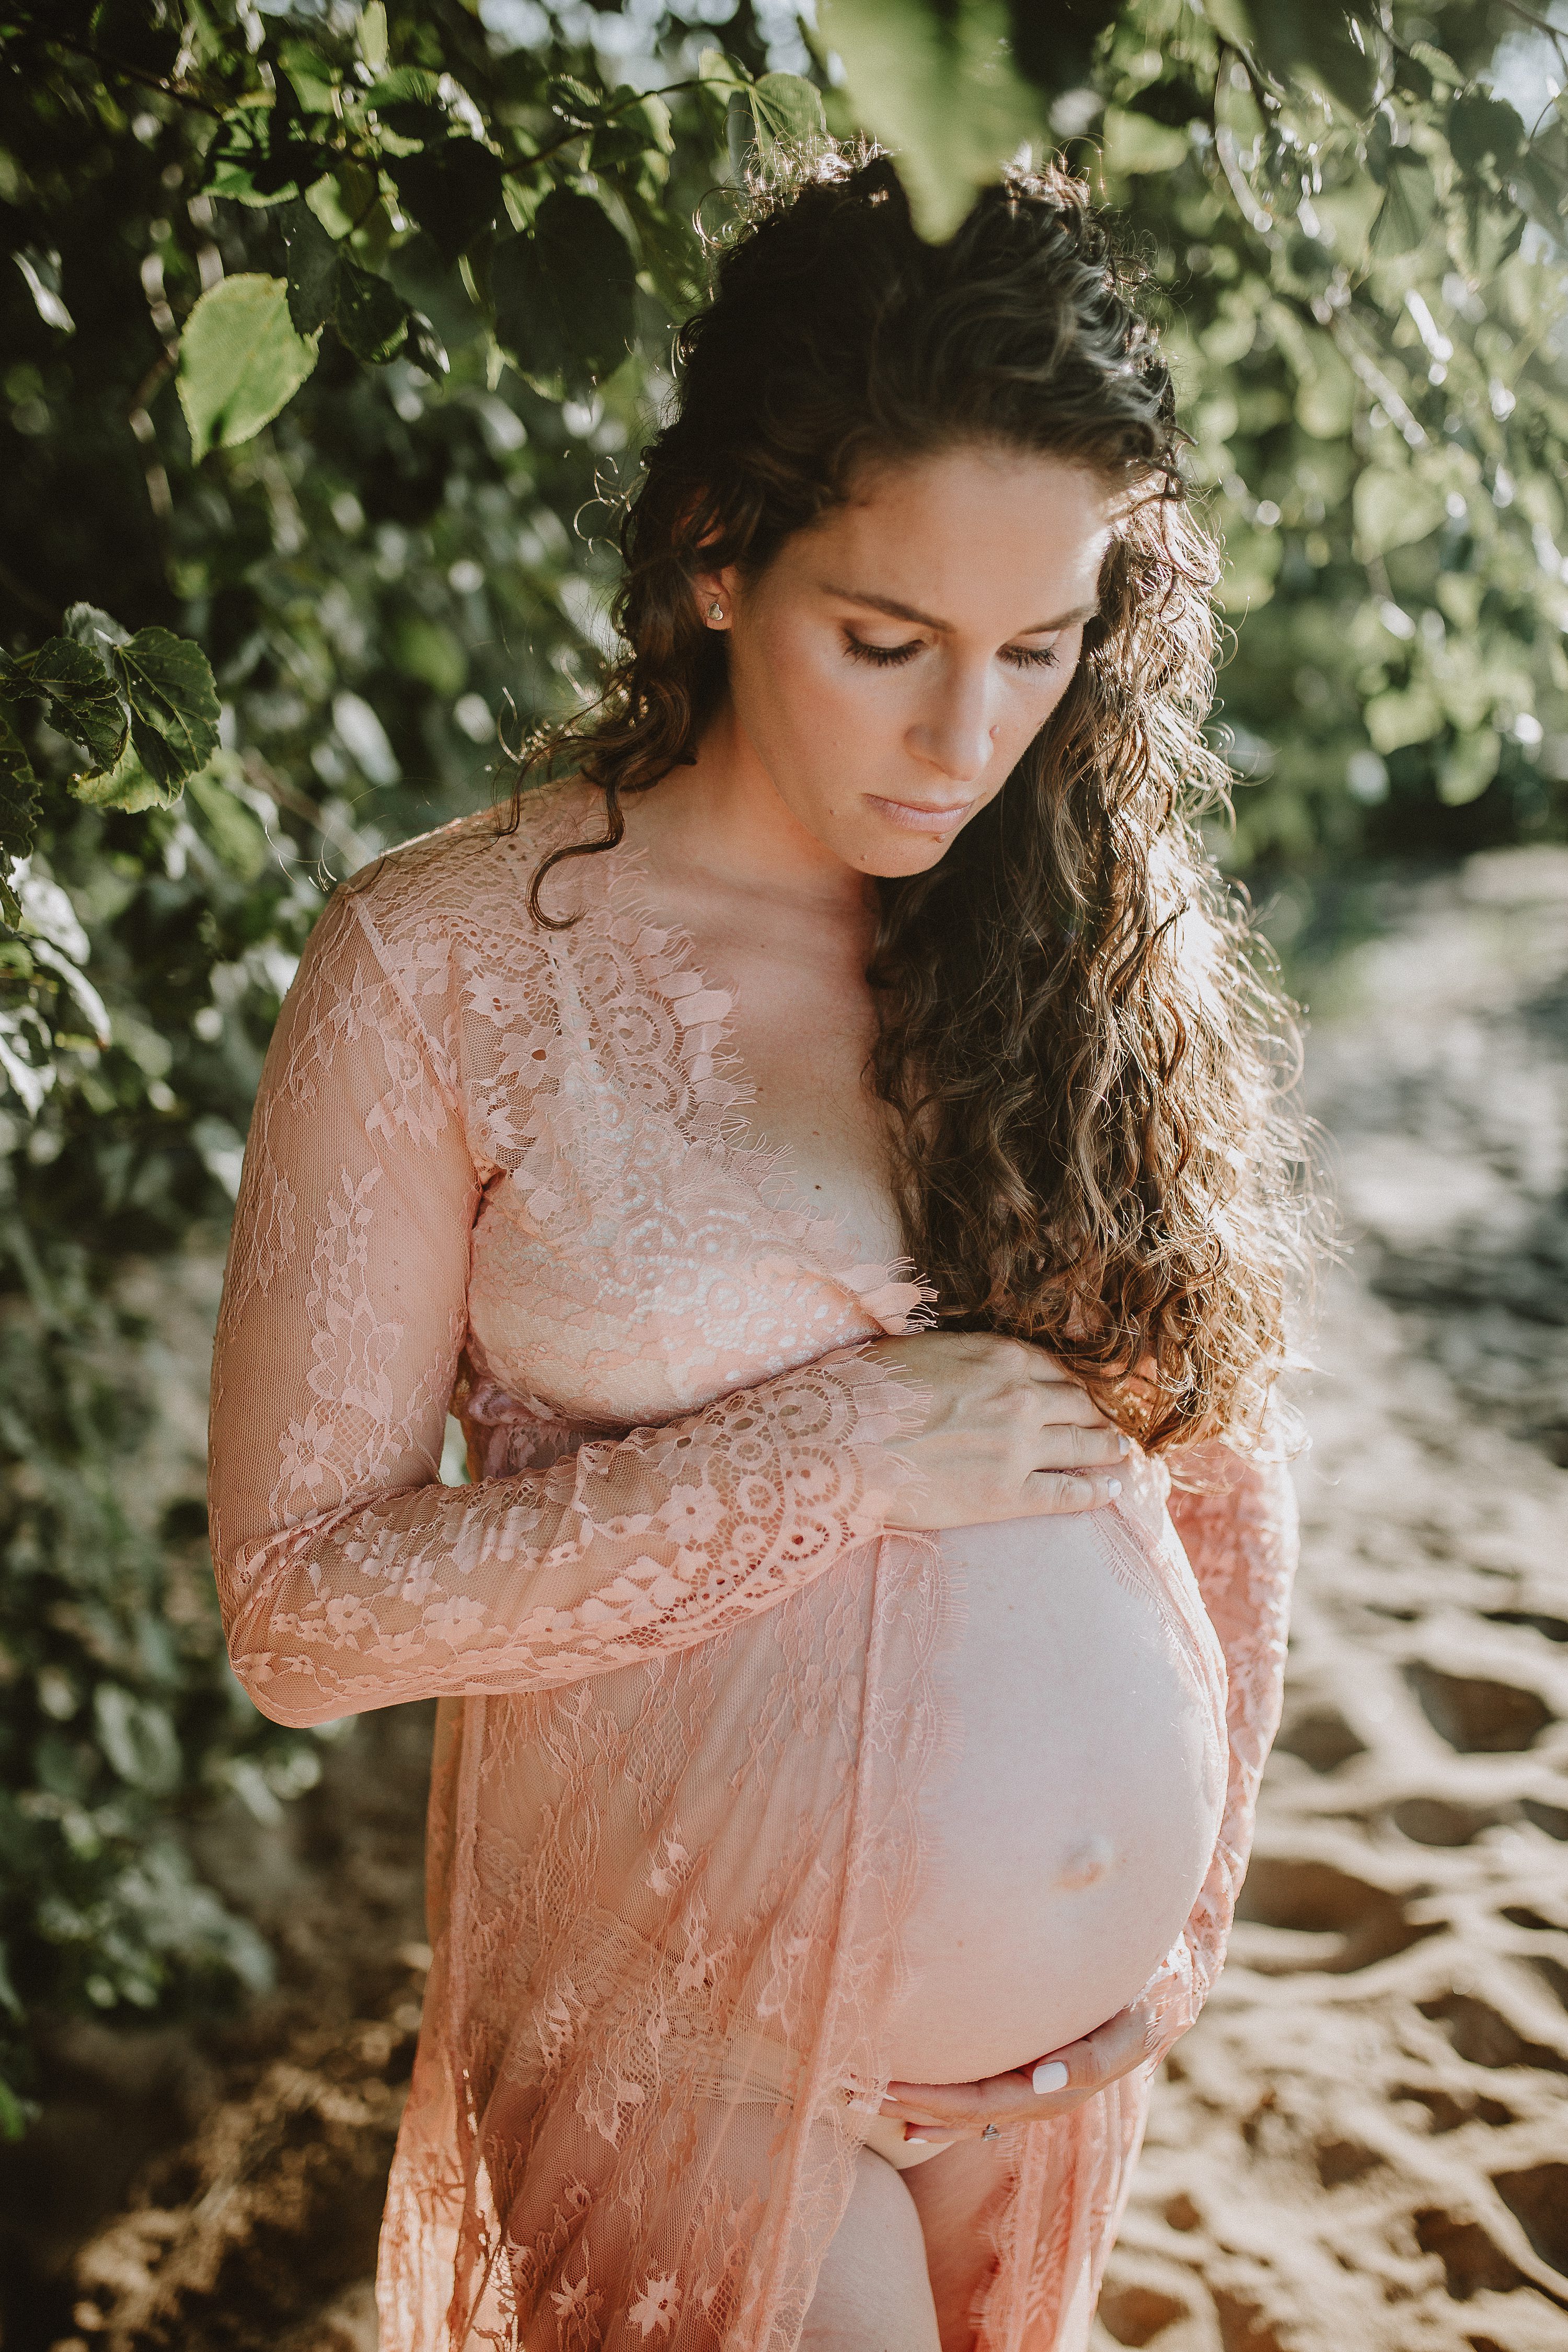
x=894 y=1292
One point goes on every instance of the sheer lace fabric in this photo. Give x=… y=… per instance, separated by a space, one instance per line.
x=690 y=1685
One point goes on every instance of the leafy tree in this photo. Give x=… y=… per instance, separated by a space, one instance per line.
x=324 y=334
x=327 y=336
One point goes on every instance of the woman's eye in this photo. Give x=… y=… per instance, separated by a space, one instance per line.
x=880 y=656
x=1030 y=657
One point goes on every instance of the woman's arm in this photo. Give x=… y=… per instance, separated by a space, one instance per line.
x=1238 y=1524
x=349 y=1579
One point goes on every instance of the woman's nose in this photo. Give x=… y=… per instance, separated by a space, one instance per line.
x=957 y=734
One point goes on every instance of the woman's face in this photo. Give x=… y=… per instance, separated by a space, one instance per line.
x=892 y=663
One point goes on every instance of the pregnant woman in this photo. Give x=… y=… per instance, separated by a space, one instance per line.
x=822 y=1146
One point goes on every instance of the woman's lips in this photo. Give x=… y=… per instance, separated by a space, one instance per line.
x=916 y=818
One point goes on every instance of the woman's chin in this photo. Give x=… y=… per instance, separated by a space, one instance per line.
x=891 y=852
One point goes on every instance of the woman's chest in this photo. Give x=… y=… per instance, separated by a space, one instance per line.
x=640 y=1257
x=806 y=1041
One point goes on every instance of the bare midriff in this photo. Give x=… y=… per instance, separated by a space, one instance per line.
x=1069 y=1837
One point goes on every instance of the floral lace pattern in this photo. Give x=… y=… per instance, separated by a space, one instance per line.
x=690 y=1684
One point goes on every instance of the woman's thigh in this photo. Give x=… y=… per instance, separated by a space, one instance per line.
x=873 y=2292
x=955 y=2195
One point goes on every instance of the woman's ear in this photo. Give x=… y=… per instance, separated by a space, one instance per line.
x=715 y=595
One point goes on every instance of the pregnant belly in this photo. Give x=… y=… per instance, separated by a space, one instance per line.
x=1072 y=1834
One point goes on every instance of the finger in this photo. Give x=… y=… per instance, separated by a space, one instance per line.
x=1062 y=1397
x=1113 y=2050
x=944 y=2105
x=1063 y=1491
x=1072 y=1446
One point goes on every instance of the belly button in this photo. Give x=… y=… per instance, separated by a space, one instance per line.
x=1088 y=1859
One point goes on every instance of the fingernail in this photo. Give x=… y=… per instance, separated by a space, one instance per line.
x=916 y=2139
x=1050 y=2075
x=1123 y=1443
x=1113 y=1487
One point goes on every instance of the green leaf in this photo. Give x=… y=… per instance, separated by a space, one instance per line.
x=787 y=108
x=228 y=824
x=1409 y=205
x=1314 y=46
x=371 y=316
x=344 y=198
x=126 y=785
x=424 y=349
x=15 y=2114
x=8 y=2000
x=574 y=102
x=1393 y=508
x=262 y=155
x=1407 y=715
x=370 y=34
x=90 y=626
x=637 y=133
x=310 y=77
x=239 y=146
x=312 y=257
x=938 y=87
x=1464 y=771
x=138 y=1739
x=240 y=361
x=1134 y=145
x=83 y=701
x=173 y=704
x=1540 y=179
x=1484 y=130
x=721 y=74
x=405 y=85
x=165 y=685
x=18 y=812
x=451 y=190
x=565 y=298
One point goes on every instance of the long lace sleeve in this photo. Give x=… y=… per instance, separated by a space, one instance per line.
x=349 y=1578
x=1238 y=1525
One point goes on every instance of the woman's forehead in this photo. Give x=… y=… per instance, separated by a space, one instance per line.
x=943 y=533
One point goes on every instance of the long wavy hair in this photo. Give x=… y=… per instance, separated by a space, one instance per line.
x=1088 y=1066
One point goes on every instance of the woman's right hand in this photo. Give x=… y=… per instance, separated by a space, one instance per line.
x=1006 y=1435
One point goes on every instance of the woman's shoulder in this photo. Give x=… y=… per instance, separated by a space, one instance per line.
x=463 y=888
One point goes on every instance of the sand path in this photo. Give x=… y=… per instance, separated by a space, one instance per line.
x=1365 y=2142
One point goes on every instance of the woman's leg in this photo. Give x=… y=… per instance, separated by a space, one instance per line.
x=873 y=2293
x=954 y=2194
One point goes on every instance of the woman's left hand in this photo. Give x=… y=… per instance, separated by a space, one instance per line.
x=937 y=2113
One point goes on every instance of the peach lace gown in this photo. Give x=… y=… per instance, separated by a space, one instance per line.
x=709 y=1803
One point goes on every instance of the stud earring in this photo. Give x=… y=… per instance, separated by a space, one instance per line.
x=715 y=613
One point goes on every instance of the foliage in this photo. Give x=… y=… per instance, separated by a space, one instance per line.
x=328 y=336
x=1358 y=243
x=324 y=332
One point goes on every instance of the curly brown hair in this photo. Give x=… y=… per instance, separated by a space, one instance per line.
x=1088 y=1066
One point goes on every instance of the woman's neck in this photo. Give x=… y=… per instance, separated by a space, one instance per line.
x=723 y=822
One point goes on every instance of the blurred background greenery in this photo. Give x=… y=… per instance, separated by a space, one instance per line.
x=330 y=336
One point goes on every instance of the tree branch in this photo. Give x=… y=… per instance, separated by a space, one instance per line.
x=554 y=146
x=1529 y=17
x=178 y=90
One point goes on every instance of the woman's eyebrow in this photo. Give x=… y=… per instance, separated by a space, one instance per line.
x=897 y=612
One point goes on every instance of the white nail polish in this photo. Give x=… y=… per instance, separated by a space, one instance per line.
x=1113 y=1487
x=1123 y=1443
x=916 y=2139
x=1051 y=2074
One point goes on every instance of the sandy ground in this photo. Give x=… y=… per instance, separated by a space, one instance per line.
x=1363 y=2144
x=1365 y=2141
